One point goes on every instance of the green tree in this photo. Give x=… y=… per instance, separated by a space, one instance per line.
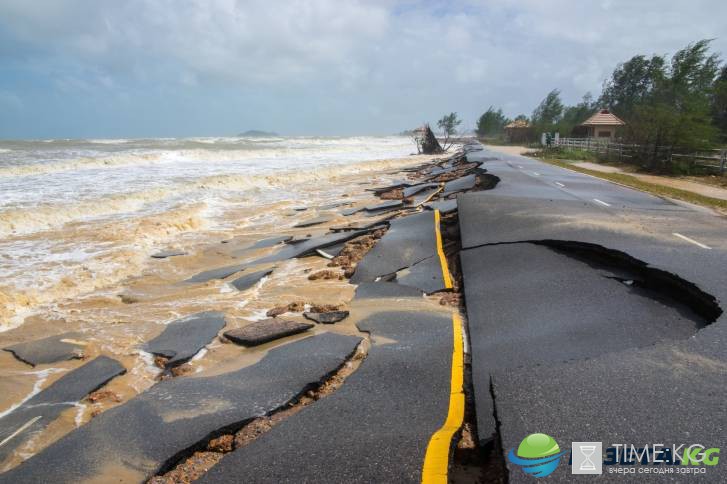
x=448 y=124
x=677 y=113
x=492 y=122
x=548 y=113
x=719 y=104
x=521 y=117
x=631 y=84
x=575 y=115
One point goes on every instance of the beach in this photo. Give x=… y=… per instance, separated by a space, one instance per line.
x=81 y=220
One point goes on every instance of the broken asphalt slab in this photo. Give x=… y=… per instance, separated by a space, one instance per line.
x=183 y=338
x=219 y=273
x=413 y=190
x=375 y=427
x=528 y=305
x=150 y=432
x=248 y=280
x=381 y=289
x=329 y=317
x=168 y=253
x=40 y=410
x=388 y=205
x=459 y=184
x=408 y=241
x=264 y=331
x=291 y=249
x=444 y=206
x=65 y=346
x=314 y=221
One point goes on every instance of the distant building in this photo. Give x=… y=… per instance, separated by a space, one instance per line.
x=518 y=131
x=603 y=124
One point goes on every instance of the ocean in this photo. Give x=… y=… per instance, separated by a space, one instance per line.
x=81 y=216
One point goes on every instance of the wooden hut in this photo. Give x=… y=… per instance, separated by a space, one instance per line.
x=602 y=125
x=518 y=131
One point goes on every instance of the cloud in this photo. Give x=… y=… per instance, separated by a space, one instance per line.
x=339 y=66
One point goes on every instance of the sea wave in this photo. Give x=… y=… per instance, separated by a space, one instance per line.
x=23 y=221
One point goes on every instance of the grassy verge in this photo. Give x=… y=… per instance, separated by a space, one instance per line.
x=633 y=182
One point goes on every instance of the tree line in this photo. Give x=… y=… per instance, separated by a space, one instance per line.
x=679 y=102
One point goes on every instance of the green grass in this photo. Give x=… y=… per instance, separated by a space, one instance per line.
x=654 y=188
x=569 y=154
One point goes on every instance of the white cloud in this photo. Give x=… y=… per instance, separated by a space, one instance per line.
x=332 y=56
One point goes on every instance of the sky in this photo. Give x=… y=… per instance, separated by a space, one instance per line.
x=173 y=68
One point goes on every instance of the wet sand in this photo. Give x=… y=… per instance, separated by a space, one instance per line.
x=118 y=309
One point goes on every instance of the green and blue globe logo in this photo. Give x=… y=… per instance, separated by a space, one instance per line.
x=537 y=455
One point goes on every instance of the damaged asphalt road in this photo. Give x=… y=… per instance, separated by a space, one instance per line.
x=375 y=428
x=590 y=319
x=156 y=428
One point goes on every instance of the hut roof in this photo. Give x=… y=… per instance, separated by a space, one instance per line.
x=518 y=124
x=603 y=118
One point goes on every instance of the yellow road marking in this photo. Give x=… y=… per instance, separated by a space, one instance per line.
x=440 y=252
x=436 y=459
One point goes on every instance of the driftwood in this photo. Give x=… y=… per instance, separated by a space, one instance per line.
x=426 y=141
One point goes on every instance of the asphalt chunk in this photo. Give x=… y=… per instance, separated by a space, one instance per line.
x=183 y=338
x=153 y=431
x=40 y=410
x=388 y=205
x=249 y=280
x=163 y=254
x=260 y=332
x=425 y=275
x=219 y=273
x=60 y=347
x=329 y=317
x=408 y=241
x=368 y=430
x=314 y=221
x=413 y=190
x=378 y=290
x=444 y=206
x=459 y=184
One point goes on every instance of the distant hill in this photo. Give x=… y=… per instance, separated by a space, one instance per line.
x=254 y=133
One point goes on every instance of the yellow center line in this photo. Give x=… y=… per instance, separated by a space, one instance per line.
x=440 y=251
x=436 y=459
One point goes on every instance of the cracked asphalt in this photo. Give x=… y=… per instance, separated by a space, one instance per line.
x=576 y=355
x=593 y=314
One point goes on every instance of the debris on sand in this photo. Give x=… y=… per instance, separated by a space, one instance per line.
x=294 y=307
x=224 y=443
x=329 y=317
x=325 y=308
x=190 y=470
x=355 y=250
x=450 y=299
x=395 y=194
x=103 y=396
x=266 y=330
x=326 y=274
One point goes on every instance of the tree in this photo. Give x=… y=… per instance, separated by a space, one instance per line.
x=575 y=115
x=678 y=111
x=521 y=117
x=548 y=112
x=719 y=104
x=491 y=122
x=631 y=84
x=448 y=124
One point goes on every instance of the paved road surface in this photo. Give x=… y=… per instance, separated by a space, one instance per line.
x=638 y=382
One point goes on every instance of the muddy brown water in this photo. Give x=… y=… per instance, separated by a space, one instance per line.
x=116 y=315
